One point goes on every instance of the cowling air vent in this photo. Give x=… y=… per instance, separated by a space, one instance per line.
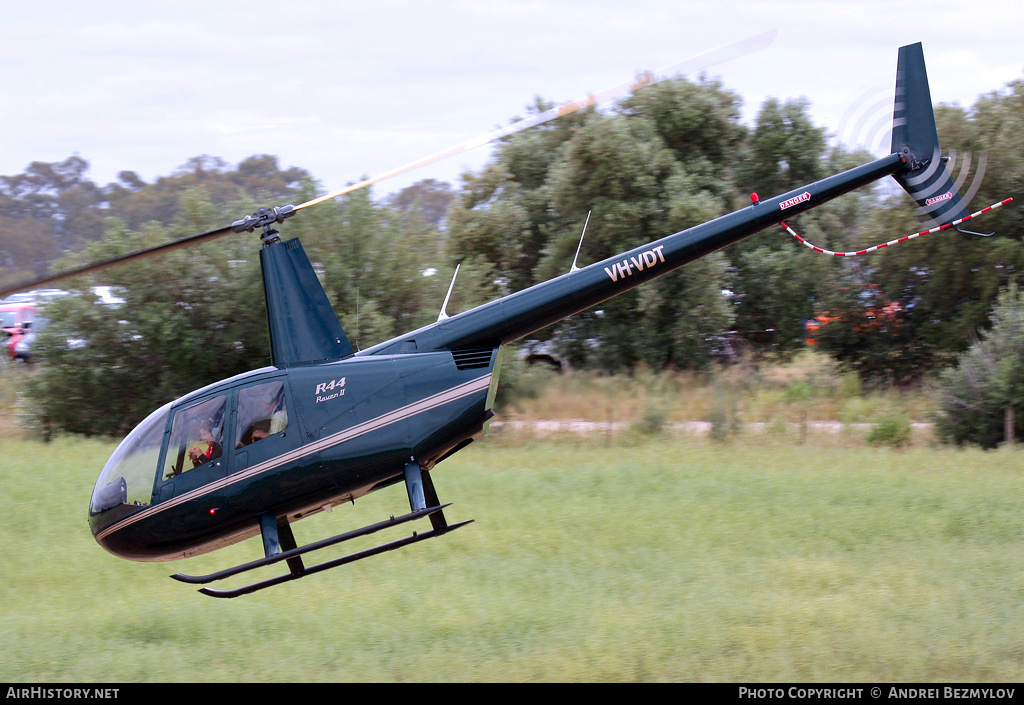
x=472 y=358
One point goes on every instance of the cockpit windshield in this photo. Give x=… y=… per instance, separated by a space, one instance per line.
x=135 y=460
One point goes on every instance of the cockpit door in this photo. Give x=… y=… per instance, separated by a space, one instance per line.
x=264 y=424
x=194 y=454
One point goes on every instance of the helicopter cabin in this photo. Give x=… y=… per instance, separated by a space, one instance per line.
x=185 y=446
x=198 y=473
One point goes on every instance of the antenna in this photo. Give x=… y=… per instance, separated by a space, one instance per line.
x=579 y=246
x=444 y=307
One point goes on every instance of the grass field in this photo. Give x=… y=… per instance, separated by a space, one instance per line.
x=626 y=558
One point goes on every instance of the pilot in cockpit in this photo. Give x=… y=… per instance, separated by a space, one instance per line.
x=208 y=447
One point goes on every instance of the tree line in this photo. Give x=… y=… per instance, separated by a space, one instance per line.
x=664 y=159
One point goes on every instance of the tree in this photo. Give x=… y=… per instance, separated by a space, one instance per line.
x=620 y=168
x=941 y=287
x=785 y=149
x=429 y=199
x=502 y=215
x=258 y=178
x=699 y=121
x=654 y=166
x=985 y=389
x=53 y=208
x=49 y=208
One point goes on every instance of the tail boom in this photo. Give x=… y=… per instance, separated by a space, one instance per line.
x=915 y=162
x=525 y=312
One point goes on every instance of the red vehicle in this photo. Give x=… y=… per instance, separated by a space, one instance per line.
x=15 y=321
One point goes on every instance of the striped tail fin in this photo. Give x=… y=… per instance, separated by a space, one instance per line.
x=926 y=177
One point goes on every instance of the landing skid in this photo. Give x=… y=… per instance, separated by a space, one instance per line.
x=292 y=555
x=279 y=542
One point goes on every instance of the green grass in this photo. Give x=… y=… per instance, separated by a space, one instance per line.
x=810 y=387
x=661 y=559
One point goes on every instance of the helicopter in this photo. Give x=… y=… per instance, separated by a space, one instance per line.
x=325 y=424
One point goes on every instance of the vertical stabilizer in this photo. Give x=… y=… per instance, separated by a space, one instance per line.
x=303 y=325
x=926 y=177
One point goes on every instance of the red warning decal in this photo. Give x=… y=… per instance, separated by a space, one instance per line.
x=805 y=196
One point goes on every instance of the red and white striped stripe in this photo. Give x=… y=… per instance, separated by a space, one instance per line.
x=893 y=242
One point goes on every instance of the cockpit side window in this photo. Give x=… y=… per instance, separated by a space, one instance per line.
x=197 y=436
x=261 y=412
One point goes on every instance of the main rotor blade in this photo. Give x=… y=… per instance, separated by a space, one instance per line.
x=139 y=254
x=697 y=63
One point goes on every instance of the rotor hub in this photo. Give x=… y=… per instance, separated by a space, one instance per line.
x=265 y=218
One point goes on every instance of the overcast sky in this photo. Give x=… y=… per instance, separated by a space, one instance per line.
x=353 y=89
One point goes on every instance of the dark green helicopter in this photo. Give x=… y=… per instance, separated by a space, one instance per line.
x=325 y=424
